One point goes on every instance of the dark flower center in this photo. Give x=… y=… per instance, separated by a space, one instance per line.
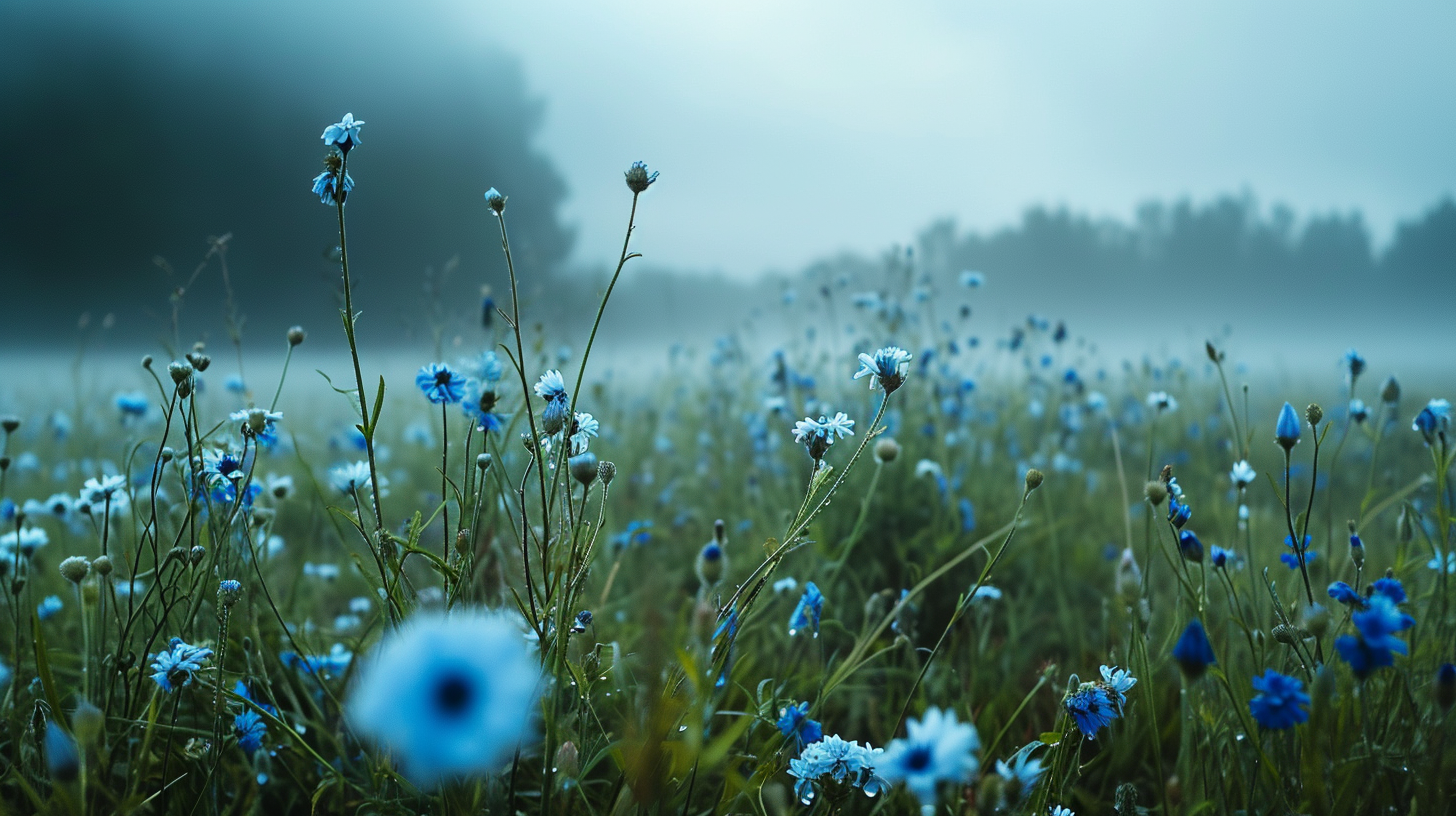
x=453 y=694
x=443 y=377
x=918 y=759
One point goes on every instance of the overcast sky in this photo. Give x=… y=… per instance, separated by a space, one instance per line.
x=788 y=130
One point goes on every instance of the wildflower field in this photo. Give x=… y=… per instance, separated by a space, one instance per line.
x=909 y=563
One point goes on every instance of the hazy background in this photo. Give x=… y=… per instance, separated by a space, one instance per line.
x=1153 y=173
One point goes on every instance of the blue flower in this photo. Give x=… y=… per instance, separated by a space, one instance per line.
x=583 y=427
x=1193 y=651
x=842 y=761
x=807 y=613
x=1021 y=774
x=553 y=389
x=174 y=667
x=1281 y=701
x=1292 y=561
x=1190 y=546
x=1242 y=474
x=49 y=607
x=448 y=695
x=795 y=724
x=1358 y=411
x=345 y=134
x=887 y=366
x=817 y=435
x=1091 y=707
x=1118 y=683
x=132 y=403
x=495 y=201
x=250 y=729
x=1433 y=420
x=1354 y=364
x=968 y=515
x=1345 y=594
x=484 y=366
x=1375 y=644
x=1390 y=588
x=1286 y=429
x=478 y=401
x=1178 y=513
x=937 y=748
x=440 y=384
x=1221 y=558
x=1437 y=562
x=325 y=186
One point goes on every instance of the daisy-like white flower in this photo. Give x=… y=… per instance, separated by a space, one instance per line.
x=1242 y=474
x=887 y=366
x=937 y=748
x=1119 y=682
x=448 y=695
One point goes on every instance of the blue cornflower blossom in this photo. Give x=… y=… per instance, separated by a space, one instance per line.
x=818 y=435
x=1433 y=420
x=937 y=748
x=345 y=133
x=132 y=404
x=795 y=724
x=448 y=695
x=440 y=384
x=1345 y=594
x=637 y=533
x=1292 y=561
x=249 y=728
x=807 y=613
x=1358 y=410
x=49 y=607
x=325 y=186
x=1281 y=701
x=1020 y=774
x=1390 y=588
x=1354 y=364
x=968 y=515
x=1221 y=558
x=478 y=401
x=1190 y=546
x=258 y=423
x=1448 y=562
x=887 y=366
x=1091 y=707
x=583 y=427
x=553 y=389
x=335 y=661
x=839 y=759
x=1286 y=428
x=484 y=366
x=1178 y=513
x=1193 y=651
x=1375 y=644
x=173 y=667
x=1118 y=682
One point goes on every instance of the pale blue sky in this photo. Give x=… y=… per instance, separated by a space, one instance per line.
x=787 y=131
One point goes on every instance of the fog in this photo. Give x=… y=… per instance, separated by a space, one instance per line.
x=1154 y=174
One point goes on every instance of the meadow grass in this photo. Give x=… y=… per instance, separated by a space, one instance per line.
x=502 y=590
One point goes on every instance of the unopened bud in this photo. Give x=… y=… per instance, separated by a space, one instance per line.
x=179 y=372
x=1156 y=491
x=483 y=461
x=228 y=593
x=10 y=424
x=887 y=449
x=1313 y=413
x=74 y=569
x=1034 y=479
x=102 y=566
x=1390 y=391
x=197 y=554
x=147 y=361
x=607 y=471
x=495 y=201
x=296 y=335
x=638 y=179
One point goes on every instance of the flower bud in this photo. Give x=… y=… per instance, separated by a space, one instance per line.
x=87 y=722
x=638 y=179
x=102 y=566
x=1390 y=391
x=197 y=554
x=10 y=424
x=228 y=593
x=74 y=569
x=1034 y=479
x=607 y=471
x=179 y=372
x=483 y=461
x=887 y=449
x=1213 y=355
x=495 y=201
x=1446 y=686
x=568 y=762
x=296 y=335
x=1156 y=491
x=1313 y=413
x=584 y=467
x=147 y=361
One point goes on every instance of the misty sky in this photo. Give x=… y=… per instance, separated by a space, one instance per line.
x=787 y=131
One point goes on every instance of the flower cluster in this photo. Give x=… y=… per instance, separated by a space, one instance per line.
x=817 y=435
x=842 y=761
x=1374 y=645
x=1096 y=704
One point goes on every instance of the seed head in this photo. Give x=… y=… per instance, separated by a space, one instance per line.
x=638 y=179
x=887 y=449
x=74 y=569
x=1313 y=414
x=1034 y=479
x=607 y=471
x=102 y=566
x=1156 y=492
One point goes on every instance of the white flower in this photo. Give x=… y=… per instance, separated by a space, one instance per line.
x=1242 y=474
